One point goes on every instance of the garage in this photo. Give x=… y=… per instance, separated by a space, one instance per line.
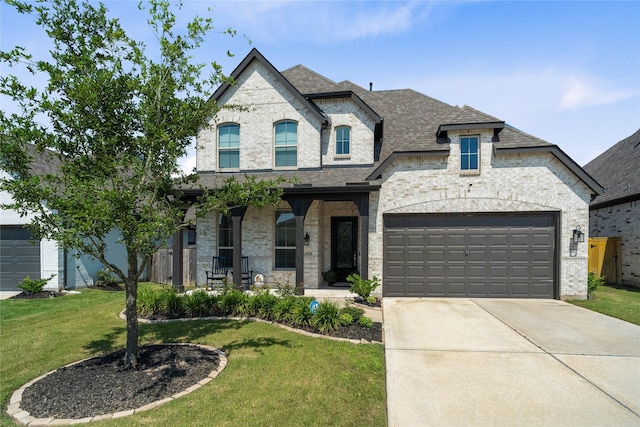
x=501 y=255
x=19 y=257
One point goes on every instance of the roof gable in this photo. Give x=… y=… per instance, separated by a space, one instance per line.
x=255 y=55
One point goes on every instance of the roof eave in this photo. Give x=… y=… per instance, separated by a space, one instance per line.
x=347 y=94
x=401 y=154
x=564 y=159
x=468 y=126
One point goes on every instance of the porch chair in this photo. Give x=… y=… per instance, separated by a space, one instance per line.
x=247 y=275
x=218 y=273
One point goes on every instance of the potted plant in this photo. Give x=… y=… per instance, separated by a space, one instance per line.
x=330 y=276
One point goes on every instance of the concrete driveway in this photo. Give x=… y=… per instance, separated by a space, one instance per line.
x=477 y=362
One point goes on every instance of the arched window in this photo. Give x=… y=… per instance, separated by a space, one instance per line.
x=343 y=140
x=286 y=143
x=229 y=146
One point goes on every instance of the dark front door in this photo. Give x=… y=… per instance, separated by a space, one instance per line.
x=344 y=241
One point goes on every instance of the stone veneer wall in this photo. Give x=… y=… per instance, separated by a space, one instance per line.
x=505 y=183
x=622 y=221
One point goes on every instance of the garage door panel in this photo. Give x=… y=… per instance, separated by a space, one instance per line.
x=496 y=255
x=416 y=256
x=19 y=257
x=456 y=255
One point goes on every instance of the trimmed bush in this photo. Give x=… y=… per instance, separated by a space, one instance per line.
x=355 y=312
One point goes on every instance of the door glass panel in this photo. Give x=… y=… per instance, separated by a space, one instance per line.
x=344 y=255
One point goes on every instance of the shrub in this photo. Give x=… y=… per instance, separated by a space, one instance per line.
x=330 y=276
x=34 y=286
x=301 y=313
x=365 y=322
x=355 y=312
x=196 y=304
x=326 y=318
x=261 y=305
x=593 y=281
x=234 y=302
x=345 y=319
x=105 y=279
x=283 y=308
x=361 y=287
x=285 y=290
x=149 y=302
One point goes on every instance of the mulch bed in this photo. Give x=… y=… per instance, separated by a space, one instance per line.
x=37 y=295
x=101 y=386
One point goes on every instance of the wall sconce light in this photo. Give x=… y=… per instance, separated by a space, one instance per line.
x=306 y=237
x=578 y=235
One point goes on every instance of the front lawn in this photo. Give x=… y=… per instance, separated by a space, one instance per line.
x=613 y=301
x=274 y=377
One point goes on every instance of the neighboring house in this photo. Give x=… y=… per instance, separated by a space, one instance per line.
x=21 y=255
x=433 y=199
x=616 y=212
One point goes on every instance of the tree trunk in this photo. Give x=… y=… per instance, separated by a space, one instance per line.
x=131 y=311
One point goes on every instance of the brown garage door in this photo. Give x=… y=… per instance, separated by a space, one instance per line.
x=507 y=255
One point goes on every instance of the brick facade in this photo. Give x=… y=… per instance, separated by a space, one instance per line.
x=534 y=181
x=622 y=220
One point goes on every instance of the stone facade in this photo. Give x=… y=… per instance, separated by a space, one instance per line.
x=622 y=220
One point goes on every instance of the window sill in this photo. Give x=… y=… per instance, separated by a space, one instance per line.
x=342 y=157
x=470 y=172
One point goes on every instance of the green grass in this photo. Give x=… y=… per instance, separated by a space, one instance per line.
x=274 y=377
x=614 y=301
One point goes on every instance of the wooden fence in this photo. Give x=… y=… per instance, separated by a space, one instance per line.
x=605 y=258
x=161 y=269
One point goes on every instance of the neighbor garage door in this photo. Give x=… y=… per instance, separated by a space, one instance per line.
x=509 y=255
x=19 y=257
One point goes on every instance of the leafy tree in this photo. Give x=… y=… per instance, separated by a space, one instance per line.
x=115 y=119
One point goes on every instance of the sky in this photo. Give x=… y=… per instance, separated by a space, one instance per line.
x=564 y=71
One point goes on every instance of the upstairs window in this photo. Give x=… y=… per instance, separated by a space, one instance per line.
x=343 y=140
x=285 y=242
x=229 y=146
x=286 y=142
x=469 y=153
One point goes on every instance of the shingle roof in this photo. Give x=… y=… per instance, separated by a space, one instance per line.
x=618 y=171
x=325 y=177
x=411 y=121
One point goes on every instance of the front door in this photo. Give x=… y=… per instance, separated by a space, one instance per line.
x=344 y=243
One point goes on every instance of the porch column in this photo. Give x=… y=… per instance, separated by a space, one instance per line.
x=236 y=217
x=362 y=203
x=176 y=260
x=299 y=206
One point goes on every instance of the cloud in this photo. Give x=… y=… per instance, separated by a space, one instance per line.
x=584 y=92
x=282 y=22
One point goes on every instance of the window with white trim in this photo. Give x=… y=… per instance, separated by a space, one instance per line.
x=286 y=144
x=469 y=153
x=343 y=140
x=229 y=146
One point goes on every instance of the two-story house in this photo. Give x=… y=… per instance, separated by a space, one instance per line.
x=434 y=199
